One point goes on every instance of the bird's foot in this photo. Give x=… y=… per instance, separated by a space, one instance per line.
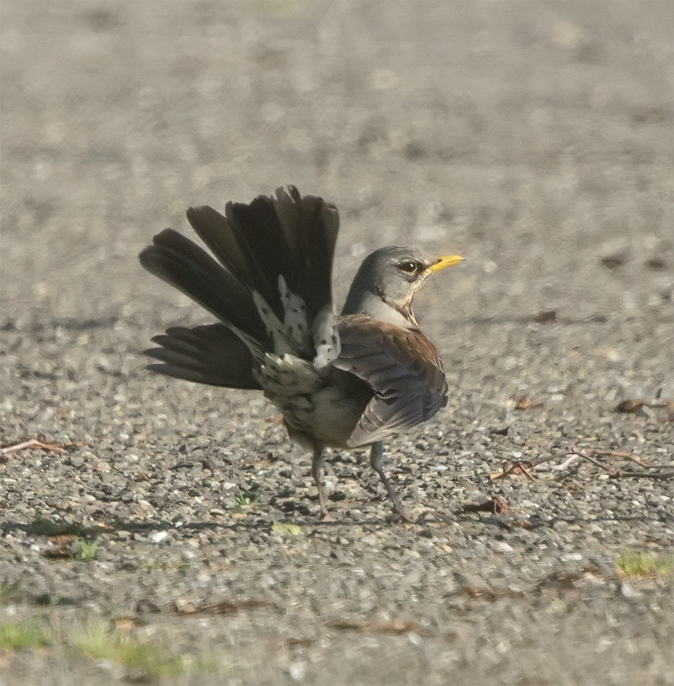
x=400 y=512
x=325 y=515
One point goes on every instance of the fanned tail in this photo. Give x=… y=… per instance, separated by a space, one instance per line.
x=271 y=287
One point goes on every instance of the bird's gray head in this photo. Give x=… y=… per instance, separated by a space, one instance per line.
x=387 y=281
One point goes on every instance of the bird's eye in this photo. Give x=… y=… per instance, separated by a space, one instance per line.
x=409 y=267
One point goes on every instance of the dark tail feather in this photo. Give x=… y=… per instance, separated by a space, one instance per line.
x=210 y=354
x=216 y=232
x=288 y=235
x=187 y=267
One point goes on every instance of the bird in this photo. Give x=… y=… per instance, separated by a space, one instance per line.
x=347 y=380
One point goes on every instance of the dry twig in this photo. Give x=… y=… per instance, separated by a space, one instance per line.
x=517 y=467
x=572 y=454
x=496 y=505
x=34 y=443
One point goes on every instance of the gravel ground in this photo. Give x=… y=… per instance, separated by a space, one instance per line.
x=535 y=139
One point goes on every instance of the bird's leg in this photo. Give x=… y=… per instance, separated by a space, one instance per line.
x=376 y=457
x=316 y=472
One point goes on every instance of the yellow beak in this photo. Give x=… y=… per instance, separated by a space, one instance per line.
x=445 y=261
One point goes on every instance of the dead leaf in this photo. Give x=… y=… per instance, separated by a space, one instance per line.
x=563 y=581
x=487 y=593
x=124 y=623
x=631 y=405
x=274 y=420
x=522 y=402
x=61 y=539
x=226 y=607
x=656 y=263
x=496 y=505
x=61 y=552
x=394 y=626
x=616 y=258
x=520 y=524
x=302 y=642
x=545 y=317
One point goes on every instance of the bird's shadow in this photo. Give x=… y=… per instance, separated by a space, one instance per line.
x=309 y=524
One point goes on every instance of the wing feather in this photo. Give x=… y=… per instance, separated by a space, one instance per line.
x=404 y=370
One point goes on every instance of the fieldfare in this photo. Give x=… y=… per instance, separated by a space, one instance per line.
x=342 y=381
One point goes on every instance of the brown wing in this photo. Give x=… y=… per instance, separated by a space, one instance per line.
x=404 y=370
